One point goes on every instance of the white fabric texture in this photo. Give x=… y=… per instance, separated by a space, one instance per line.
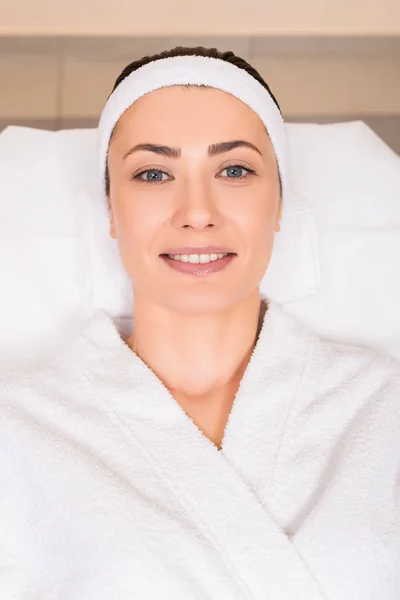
x=110 y=490
x=196 y=70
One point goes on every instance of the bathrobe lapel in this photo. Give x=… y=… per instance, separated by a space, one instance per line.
x=224 y=491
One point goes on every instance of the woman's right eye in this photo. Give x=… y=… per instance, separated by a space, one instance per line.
x=151 y=175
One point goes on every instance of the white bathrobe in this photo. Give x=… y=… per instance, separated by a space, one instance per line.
x=109 y=491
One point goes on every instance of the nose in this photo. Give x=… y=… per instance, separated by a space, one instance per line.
x=197 y=206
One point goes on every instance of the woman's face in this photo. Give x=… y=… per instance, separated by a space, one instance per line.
x=193 y=197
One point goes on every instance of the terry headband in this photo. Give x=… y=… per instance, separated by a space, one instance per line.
x=196 y=70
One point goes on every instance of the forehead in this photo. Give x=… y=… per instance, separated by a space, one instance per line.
x=188 y=112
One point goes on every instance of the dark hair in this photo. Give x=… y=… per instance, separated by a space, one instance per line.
x=186 y=51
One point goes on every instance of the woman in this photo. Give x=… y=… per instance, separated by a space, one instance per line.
x=222 y=451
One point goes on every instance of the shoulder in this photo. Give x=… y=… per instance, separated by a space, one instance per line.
x=369 y=382
x=338 y=361
x=342 y=374
x=352 y=394
x=87 y=345
x=373 y=373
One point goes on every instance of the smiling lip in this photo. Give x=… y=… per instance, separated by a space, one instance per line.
x=199 y=269
x=199 y=250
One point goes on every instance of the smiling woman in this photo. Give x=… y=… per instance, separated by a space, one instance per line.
x=200 y=189
x=223 y=451
x=192 y=169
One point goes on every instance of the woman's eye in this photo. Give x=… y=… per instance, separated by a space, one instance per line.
x=151 y=175
x=237 y=172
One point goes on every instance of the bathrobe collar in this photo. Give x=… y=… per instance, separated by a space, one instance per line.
x=223 y=490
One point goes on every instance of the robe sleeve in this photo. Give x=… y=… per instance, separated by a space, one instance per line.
x=377 y=448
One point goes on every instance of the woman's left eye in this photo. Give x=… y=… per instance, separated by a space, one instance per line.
x=237 y=171
x=152 y=175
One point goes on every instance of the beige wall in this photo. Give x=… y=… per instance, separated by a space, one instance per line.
x=60 y=79
x=307 y=87
x=192 y=17
x=59 y=82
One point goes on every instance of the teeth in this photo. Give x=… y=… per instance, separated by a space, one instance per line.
x=196 y=258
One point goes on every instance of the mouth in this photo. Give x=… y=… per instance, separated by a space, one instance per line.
x=209 y=266
x=189 y=258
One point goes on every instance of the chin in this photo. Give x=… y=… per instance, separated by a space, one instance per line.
x=204 y=301
x=199 y=301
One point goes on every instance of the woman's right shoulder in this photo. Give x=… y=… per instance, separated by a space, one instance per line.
x=73 y=351
x=89 y=361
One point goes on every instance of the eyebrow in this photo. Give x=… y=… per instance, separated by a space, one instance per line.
x=171 y=152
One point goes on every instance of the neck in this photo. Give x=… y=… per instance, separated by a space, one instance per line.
x=197 y=355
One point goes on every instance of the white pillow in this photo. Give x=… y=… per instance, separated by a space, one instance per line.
x=41 y=295
x=42 y=281
x=350 y=178
x=348 y=174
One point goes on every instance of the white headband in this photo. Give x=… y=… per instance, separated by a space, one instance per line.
x=196 y=70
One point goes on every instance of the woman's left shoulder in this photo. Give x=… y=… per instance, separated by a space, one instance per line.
x=366 y=378
x=342 y=364
x=358 y=361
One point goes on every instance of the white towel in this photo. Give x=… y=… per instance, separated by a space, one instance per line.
x=109 y=491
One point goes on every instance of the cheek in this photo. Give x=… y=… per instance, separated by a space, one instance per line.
x=138 y=222
x=257 y=228
x=256 y=219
